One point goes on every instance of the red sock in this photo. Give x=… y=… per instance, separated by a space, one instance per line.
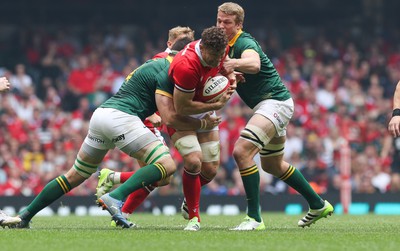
x=135 y=199
x=203 y=180
x=125 y=176
x=191 y=191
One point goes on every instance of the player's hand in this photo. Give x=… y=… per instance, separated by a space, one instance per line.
x=239 y=77
x=211 y=121
x=155 y=120
x=224 y=99
x=394 y=126
x=4 y=84
x=232 y=81
x=229 y=65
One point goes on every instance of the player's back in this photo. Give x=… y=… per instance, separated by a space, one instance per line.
x=137 y=94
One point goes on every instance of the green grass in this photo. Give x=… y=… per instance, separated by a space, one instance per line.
x=159 y=233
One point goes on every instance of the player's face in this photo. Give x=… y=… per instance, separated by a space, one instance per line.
x=227 y=22
x=211 y=56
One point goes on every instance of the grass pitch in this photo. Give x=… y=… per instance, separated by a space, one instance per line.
x=338 y=232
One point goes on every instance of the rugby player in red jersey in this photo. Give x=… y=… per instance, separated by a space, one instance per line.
x=189 y=71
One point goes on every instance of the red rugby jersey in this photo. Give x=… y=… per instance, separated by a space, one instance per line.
x=189 y=72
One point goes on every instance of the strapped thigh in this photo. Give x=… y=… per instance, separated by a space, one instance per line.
x=255 y=135
x=155 y=152
x=187 y=144
x=272 y=150
x=84 y=168
x=211 y=151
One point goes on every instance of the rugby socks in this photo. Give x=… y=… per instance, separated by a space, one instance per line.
x=251 y=183
x=124 y=176
x=296 y=180
x=136 y=198
x=143 y=177
x=191 y=191
x=50 y=193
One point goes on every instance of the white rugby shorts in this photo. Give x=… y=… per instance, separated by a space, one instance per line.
x=109 y=127
x=201 y=115
x=279 y=112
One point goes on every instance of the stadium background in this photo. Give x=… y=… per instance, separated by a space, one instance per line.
x=340 y=59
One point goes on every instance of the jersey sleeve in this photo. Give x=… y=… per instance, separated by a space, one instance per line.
x=184 y=77
x=164 y=85
x=248 y=44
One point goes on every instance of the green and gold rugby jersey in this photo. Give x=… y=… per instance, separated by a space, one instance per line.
x=266 y=84
x=137 y=94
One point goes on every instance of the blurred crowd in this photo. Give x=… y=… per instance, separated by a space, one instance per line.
x=342 y=85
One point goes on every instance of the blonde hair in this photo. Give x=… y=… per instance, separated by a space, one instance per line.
x=235 y=9
x=179 y=31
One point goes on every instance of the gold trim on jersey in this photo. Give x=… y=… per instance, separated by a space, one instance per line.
x=164 y=93
x=233 y=40
x=169 y=58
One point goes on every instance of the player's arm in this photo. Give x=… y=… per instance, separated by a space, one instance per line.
x=185 y=105
x=396 y=97
x=4 y=84
x=394 y=124
x=249 y=62
x=171 y=118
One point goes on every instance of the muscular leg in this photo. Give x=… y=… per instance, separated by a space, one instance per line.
x=163 y=166
x=84 y=166
x=246 y=147
x=189 y=148
x=201 y=163
x=275 y=165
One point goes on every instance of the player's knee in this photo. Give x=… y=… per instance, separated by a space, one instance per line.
x=74 y=178
x=192 y=162
x=169 y=165
x=239 y=153
x=165 y=181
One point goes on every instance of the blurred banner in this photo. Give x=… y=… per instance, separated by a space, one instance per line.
x=214 y=205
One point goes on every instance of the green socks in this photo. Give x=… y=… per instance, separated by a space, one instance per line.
x=50 y=193
x=296 y=180
x=251 y=183
x=143 y=177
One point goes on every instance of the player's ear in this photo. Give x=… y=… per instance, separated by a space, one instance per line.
x=169 y=44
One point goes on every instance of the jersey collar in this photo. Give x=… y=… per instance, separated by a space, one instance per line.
x=198 y=52
x=233 y=40
x=169 y=58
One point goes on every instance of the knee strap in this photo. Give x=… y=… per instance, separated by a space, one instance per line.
x=255 y=135
x=272 y=150
x=211 y=151
x=188 y=144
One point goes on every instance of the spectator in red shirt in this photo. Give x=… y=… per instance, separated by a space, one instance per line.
x=81 y=82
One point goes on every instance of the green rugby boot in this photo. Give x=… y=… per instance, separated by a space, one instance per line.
x=105 y=183
x=315 y=214
x=249 y=224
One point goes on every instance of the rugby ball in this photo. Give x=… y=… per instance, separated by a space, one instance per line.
x=214 y=88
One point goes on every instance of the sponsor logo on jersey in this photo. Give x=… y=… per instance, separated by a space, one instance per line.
x=118 y=138
x=97 y=140
x=281 y=124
